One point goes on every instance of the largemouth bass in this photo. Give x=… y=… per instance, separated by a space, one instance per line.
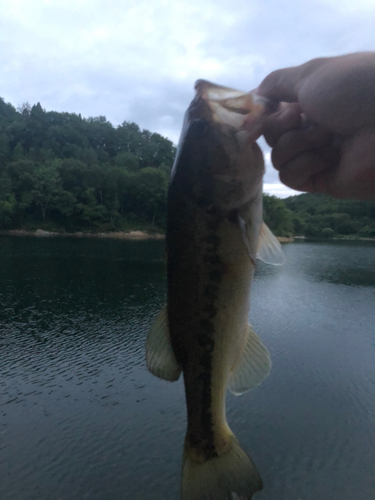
x=215 y=233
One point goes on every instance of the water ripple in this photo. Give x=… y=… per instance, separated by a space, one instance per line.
x=82 y=418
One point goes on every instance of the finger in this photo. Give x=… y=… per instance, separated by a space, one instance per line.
x=294 y=142
x=280 y=85
x=300 y=173
x=355 y=177
x=338 y=93
x=284 y=84
x=287 y=118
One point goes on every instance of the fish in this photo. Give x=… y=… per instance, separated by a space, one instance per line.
x=215 y=233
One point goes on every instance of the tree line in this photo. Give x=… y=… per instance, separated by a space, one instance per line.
x=319 y=216
x=59 y=171
x=62 y=171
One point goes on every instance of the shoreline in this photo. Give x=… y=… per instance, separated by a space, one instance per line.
x=120 y=235
x=140 y=235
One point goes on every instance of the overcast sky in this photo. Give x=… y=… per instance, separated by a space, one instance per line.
x=137 y=60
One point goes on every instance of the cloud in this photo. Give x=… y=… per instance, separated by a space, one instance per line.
x=137 y=60
x=278 y=190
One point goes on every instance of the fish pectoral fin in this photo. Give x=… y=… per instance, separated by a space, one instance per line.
x=160 y=358
x=253 y=365
x=269 y=248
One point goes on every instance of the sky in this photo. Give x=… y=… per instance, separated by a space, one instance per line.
x=137 y=60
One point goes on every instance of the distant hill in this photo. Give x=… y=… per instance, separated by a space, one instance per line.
x=59 y=171
x=319 y=216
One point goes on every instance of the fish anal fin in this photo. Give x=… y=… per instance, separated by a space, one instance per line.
x=269 y=248
x=253 y=365
x=160 y=358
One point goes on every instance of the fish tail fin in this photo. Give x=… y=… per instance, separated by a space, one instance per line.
x=231 y=476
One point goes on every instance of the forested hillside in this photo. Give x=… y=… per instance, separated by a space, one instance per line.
x=318 y=216
x=59 y=171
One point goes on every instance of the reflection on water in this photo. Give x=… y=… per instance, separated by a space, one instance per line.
x=81 y=418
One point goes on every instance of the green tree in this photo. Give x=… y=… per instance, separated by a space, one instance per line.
x=327 y=232
x=21 y=174
x=90 y=213
x=24 y=109
x=146 y=195
x=277 y=216
x=18 y=152
x=299 y=224
x=4 y=149
x=7 y=113
x=366 y=232
x=7 y=200
x=47 y=187
x=127 y=161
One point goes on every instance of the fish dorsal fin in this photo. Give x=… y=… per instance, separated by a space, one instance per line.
x=160 y=358
x=253 y=365
x=269 y=249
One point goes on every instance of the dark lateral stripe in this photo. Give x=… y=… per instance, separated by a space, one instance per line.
x=206 y=334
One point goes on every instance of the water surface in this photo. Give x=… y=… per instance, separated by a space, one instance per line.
x=81 y=418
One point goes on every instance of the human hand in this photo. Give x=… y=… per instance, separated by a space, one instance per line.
x=323 y=134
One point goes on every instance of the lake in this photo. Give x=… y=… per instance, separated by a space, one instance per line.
x=81 y=418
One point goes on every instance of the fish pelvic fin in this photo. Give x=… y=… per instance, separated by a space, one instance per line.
x=229 y=476
x=160 y=358
x=269 y=248
x=252 y=367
